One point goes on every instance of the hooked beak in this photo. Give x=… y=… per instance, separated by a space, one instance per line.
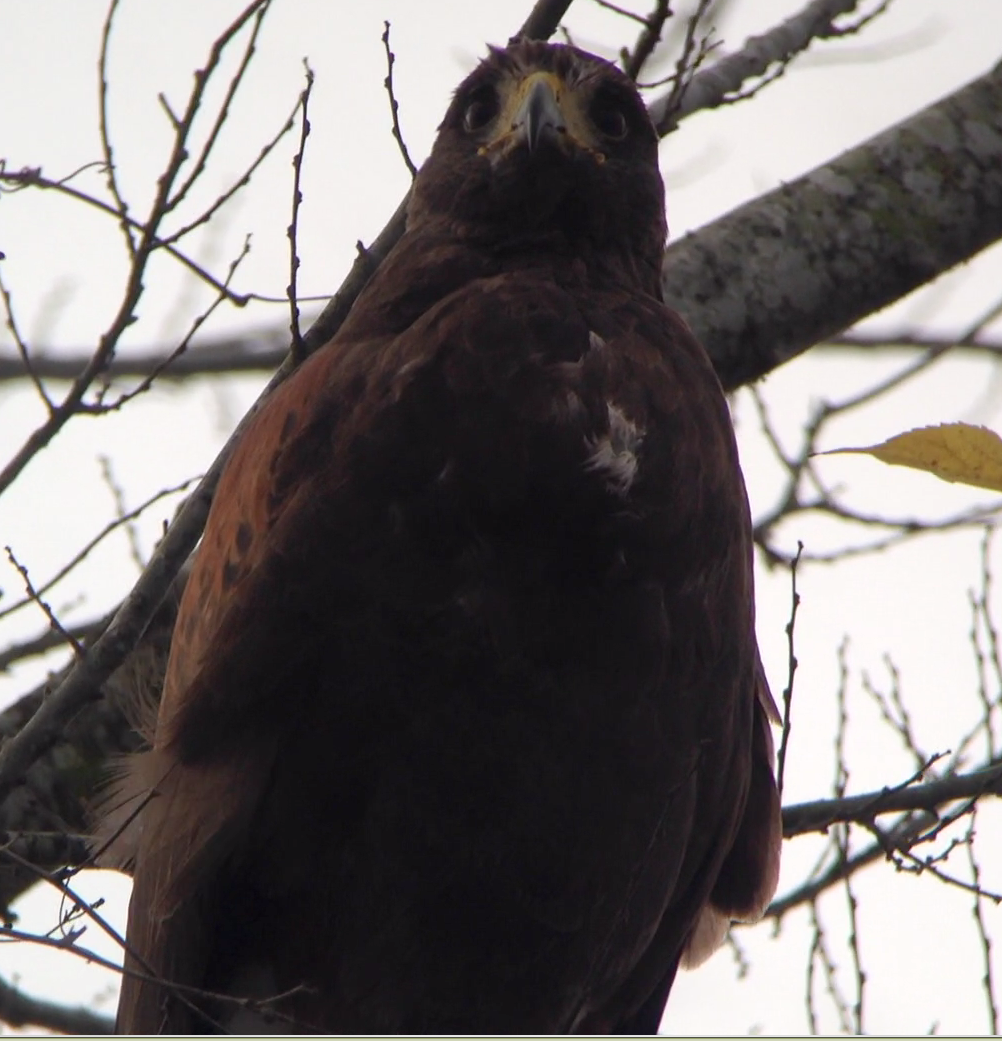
x=539 y=116
x=542 y=111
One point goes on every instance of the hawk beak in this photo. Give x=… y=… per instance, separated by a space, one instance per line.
x=542 y=111
x=539 y=116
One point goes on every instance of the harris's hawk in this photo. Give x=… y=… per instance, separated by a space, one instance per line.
x=464 y=726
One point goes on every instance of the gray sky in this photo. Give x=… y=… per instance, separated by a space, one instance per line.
x=65 y=267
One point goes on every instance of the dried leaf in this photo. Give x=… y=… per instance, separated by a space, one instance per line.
x=956 y=452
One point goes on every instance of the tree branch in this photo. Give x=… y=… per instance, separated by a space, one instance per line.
x=543 y=20
x=783 y=272
x=717 y=84
x=821 y=814
x=20 y=1010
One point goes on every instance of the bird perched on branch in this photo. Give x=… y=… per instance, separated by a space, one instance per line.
x=464 y=726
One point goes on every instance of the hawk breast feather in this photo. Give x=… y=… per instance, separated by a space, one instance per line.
x=464 y=727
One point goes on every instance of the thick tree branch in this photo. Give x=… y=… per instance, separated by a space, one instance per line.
x=543 y=19
x=769 y=280
x=20 y=1010
x=717 y=84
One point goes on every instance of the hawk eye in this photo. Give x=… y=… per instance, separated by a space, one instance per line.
x=480 y=110
x=608 y=116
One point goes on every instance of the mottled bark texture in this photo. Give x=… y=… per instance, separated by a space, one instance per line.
x=771 y=279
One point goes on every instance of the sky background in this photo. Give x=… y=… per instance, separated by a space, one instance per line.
x=65 y=267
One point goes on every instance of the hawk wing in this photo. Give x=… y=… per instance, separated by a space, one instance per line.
x=464 y=725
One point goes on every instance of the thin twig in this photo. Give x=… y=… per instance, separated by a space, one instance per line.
x=903 y=832
x=791 y=665
x=819 y=950
x=979 y=918
x=111 y=174
x=894 y=711
x=726 y=78
x=32 y=177
x=854 y=944
x=118 y=494
x=621 y=11
x=240 y=182
x=88 y=547
x=28 y=365
x=298 y=348
x=162 y=203
x=394 y=107
x=34 y=597
x=690 y=60
x=47 y=641
x=647 y=41
x=146 y=382
x=255 y=10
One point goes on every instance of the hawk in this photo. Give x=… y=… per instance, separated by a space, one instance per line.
x=464 y=726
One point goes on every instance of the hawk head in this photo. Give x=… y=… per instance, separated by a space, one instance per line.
x=544 y=143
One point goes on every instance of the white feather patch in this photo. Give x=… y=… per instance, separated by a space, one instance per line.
x=614 y=455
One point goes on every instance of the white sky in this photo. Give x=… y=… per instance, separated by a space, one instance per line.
x=65 y=267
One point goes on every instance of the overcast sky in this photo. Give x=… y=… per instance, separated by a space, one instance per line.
x=65 y=265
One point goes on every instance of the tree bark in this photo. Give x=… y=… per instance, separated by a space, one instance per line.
x=771 y=279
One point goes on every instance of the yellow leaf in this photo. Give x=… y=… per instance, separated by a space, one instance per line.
x=956 y=452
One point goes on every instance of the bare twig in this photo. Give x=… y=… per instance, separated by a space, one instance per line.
x=726 y=78
x=27 y=365
x=854 y=945
x=164 y=200
x=241 y=182
x=394 y=106
x=118 y=494
x=171 y=198
x=811 y=1009
x=111 y=174
x=791 y=671
x=35 y=597
x=900 y=835
x=820 y=952
x=32 y=177
x=821 y=814
x=621 y=11
x=647 y=41
x=47 y=641
x=861 y=341
x=979 y=918
x=895 y=713
x=146 y=382
x=695 y=50
x=298 y=348
x=112 y=526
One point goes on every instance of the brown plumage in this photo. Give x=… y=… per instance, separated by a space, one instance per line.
x=464 y=727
